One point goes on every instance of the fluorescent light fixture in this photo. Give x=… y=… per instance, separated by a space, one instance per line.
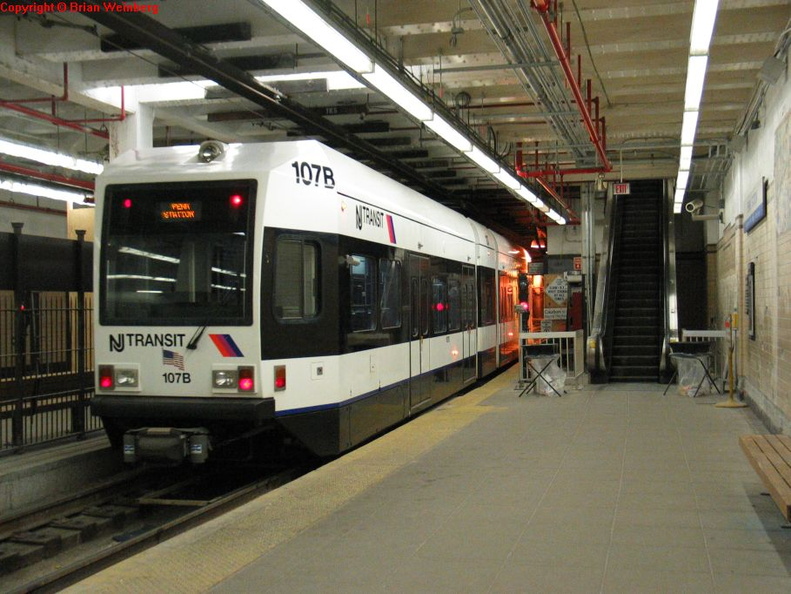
x=677 y=208
x=449 y=134
x=703 y=17
x=696 y=76
x=689 y=125
x=50 y=157
x=682 y=180
x=525 y=193
x=685 y=158
x=483 y=160
x=505 y=177
x=392 y=88
x=679 y=195
x=320 y=32
x=556 y=217
x=41 y=191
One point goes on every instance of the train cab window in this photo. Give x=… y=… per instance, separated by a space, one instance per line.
x=454 y=305
x=296 y=290
x=177 y=253
x=363 y=293
x=390 y=293
x=439 y=305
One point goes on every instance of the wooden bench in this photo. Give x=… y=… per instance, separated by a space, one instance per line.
x=770 y=456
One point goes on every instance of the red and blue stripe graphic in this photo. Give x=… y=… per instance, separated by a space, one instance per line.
x=226 y=345
x=391 y=228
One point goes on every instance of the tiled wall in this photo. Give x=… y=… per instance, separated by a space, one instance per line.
x=765 y=361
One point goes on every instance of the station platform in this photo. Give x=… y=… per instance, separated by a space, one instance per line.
x=45 y=473
x=609 y=488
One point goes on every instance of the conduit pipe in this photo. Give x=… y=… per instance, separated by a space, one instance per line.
x=542 y=6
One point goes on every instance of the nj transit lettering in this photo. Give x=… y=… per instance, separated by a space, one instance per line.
x=119 y=342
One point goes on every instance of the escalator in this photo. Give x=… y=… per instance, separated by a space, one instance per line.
x=634 y=315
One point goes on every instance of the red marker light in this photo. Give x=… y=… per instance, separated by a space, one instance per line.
x=440 y=307
x=106 y=377
x=280 y=378
x=246 y=379
x=236 y=200
x=128 y=203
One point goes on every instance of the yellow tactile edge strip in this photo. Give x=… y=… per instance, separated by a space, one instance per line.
x=197 y=560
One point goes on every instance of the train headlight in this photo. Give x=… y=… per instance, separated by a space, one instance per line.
x=241 y=379
x=224 y=379
x=126 y=378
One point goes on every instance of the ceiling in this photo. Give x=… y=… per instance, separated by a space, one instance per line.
x=489 y=65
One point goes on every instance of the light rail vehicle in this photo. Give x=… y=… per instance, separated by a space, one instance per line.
x=284 y=287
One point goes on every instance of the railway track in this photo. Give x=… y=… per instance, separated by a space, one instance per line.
x=57 y=545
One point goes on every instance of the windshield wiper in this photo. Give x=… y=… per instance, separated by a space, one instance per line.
x=224 y=299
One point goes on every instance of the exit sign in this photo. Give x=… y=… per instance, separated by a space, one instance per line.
x=622 y=188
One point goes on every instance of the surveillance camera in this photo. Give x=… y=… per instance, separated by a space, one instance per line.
x=210 y=150
x=694 y=206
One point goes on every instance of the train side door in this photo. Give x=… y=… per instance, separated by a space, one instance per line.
x=420 y=305
x=468 y=324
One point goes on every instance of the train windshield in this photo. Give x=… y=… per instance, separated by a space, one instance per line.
x=177 y=253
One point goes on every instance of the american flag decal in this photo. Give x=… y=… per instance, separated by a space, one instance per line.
x=173 y=358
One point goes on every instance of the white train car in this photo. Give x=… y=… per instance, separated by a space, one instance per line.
x=286 y=286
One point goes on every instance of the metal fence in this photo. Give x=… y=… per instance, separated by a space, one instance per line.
x=46 y=368
x=46 y=339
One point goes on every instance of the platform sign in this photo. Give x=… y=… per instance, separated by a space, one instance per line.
x=621 y=188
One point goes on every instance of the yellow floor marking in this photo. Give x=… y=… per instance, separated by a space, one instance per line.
x=195 y=561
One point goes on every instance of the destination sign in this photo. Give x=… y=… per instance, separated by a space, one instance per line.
x=180 y=211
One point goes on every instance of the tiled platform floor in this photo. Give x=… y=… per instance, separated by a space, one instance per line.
x=611 y=488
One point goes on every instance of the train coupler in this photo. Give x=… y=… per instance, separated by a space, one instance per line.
x=166 y=445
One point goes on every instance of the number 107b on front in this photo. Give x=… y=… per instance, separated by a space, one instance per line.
x=313 y=174
x=176 y=377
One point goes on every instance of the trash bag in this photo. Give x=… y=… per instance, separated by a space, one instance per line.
x=555 y=376
x=690 y=378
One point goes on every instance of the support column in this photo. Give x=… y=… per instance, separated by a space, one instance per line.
x=587 y=221
x=136 y=131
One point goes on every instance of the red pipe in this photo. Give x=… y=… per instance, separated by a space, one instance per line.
x=546 y=172
x=542 y=6
x=51 y=177
x=73 y=124
x=573 y=218
x=34 y=113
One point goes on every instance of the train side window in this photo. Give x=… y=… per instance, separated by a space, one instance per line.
x=296 y=290
x=390 y=293
x=454 y=305
x=439 y=297
x=486 y=294
x=363 y=293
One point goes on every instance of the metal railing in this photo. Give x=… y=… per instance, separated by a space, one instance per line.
x=46 y=368
x=570 y=345
x=720 y=346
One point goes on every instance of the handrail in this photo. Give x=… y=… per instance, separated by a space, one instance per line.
x=670 y=300
x=596 y=359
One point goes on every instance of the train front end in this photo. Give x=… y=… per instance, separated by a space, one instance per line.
x=177 y=351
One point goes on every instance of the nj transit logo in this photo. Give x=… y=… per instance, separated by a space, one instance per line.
x=366 y=216
x=226 y=345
